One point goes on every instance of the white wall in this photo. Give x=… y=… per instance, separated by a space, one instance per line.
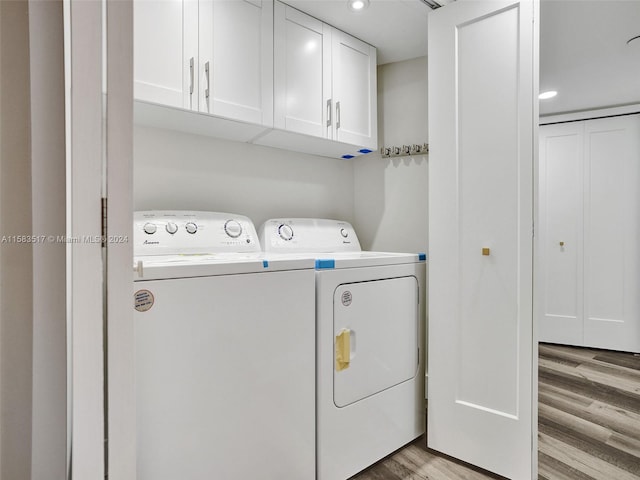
x=183 y=171
x=48 y=171
x=390 y=194
x=16 y=326
x=385 y=199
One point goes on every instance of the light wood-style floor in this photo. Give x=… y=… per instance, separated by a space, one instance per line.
x=589 y=424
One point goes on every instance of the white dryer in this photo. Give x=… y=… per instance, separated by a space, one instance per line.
x=225 y=362
x=370 y=316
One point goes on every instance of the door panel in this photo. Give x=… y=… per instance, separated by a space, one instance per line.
x=560 y=230
x=382 y=320
x=481 y=118
x=354 y=90
x=162 y=48
x=300 y=44
x=236 y=40
x=612 y=233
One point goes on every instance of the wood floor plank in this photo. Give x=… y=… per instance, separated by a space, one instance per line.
x=566 y=350
x=587 y=388
x=627 y=360
x=627 y=380
x=626 y=444
x=589 y=446
x=602 y=374
x=619 y=420
x=587 y=465
x=577 y=425
x=550 y=468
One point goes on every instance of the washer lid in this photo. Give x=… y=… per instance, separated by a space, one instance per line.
x=155 y=267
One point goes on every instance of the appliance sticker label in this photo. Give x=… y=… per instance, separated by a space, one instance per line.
x=347 y=298
x=143 y=300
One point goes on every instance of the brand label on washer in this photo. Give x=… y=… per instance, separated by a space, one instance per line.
x=143 y=300
x=347 y=298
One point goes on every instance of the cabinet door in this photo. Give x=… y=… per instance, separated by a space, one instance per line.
x=302 y=62
x=354 y=91
x=236 y=59
x=166 y=52
x=612 y=233
x=560 y=230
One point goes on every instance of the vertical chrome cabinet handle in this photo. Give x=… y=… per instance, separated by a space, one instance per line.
x=337 y=115
x=206 y=72
x=191 y=76
x=329 y=113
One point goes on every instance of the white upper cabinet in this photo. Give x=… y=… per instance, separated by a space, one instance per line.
x=302 y=55
x=354 y=90
x=236 y=59
x=288 y=81
x=325 y=80
x=166 y=52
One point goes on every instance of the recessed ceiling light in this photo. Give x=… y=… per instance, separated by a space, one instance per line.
x=358 y=5
x=548 y=94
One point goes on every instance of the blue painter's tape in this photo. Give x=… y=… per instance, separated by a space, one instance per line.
x=347 y=157
x=365 y=150
x=422 y=257
x=265 y=264
x=325 y=264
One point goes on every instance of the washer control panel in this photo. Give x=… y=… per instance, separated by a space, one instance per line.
x=167 y=232
x=317 y=235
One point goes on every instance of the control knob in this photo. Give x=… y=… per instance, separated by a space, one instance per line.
x=233 y=228
x=150 y=228
x=191 y=227
x=171 y=228
x=285 y=232
x=344 y=232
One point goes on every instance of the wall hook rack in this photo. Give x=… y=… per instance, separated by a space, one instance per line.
x=405 y=150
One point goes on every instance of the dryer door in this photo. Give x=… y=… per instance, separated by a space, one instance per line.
x=376 y=337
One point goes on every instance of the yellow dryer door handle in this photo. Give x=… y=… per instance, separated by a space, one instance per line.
x=343 y=349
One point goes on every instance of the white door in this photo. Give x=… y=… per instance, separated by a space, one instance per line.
x=560 y=232
x=589 y=234
x=236 y=59
x=302 y=72
x=482 y=106
x=166 y=52
x=354 y=91
x=612 y=233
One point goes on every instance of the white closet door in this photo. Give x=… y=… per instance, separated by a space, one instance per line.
x=560 y=230
x=165 y=42
x=354 y=91
x=612 y=233
x=482 y=106
x=236 y=59
x=302 y=63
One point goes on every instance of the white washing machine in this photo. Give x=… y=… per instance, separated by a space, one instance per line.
x=225 y=352
x=370 y=316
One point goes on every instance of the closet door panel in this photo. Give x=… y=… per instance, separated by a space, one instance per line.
x=612 y=240
x=561 y=172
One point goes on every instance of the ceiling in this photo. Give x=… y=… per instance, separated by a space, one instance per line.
x=583 y=50
x=397 y=28
x=584 y=54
